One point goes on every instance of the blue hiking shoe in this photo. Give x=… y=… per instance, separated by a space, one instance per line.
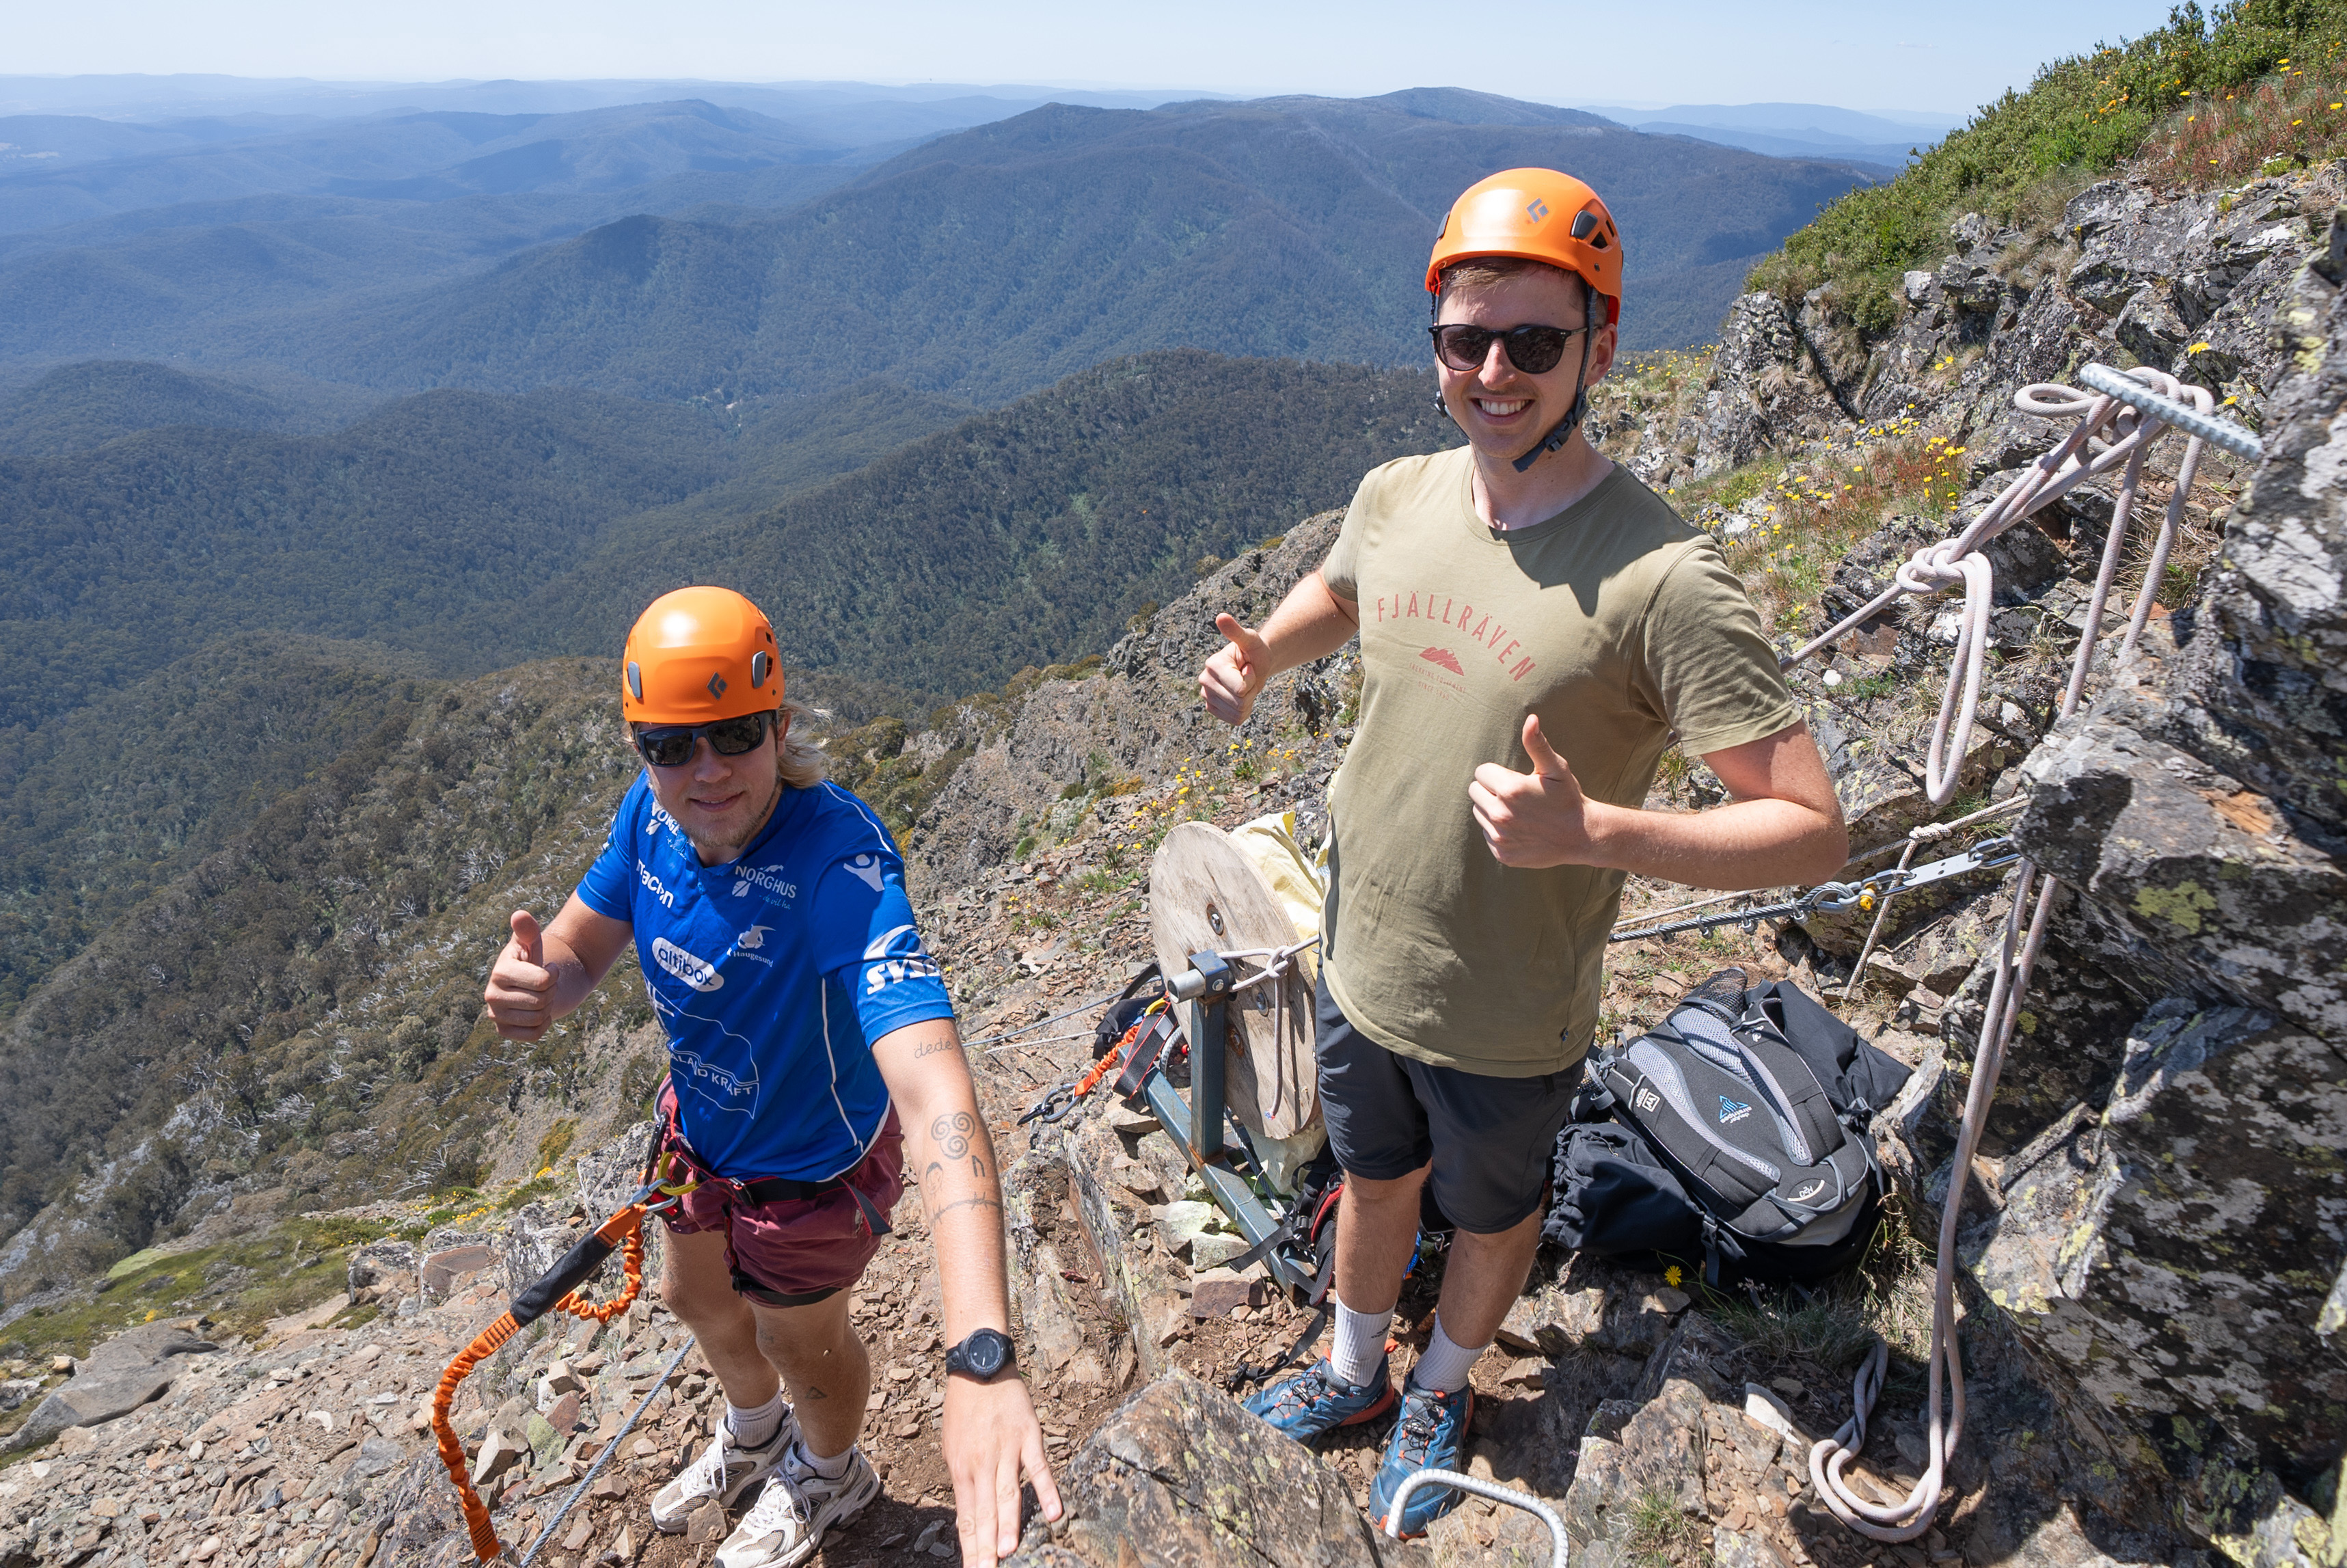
x=1429 y=1436
x=1314 y=1404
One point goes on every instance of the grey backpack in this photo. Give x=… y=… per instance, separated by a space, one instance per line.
x=1736 y=1132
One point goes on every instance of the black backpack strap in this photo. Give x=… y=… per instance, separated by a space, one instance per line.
x=1158 y=1032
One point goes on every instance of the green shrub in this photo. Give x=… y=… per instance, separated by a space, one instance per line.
x=2084 y=113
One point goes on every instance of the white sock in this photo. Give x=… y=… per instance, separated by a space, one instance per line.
x=830 y=1468
x=1444 y=1366
x=754 y=1428
x=1360 y=1344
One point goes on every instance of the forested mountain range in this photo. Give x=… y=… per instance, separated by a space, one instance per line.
x=193 y=620
x=985 y=262
x=58 y=171
x=107 y=804
x=1016 y=537
x=231 y=884
x=478 y=531
x=981 y=264
x=77 y=407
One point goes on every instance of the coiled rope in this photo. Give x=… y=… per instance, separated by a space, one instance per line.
x=2127 y=414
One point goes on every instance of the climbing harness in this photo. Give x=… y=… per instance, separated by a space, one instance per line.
x=2127 y=413
x=557 y=1290
x=1487 y=1488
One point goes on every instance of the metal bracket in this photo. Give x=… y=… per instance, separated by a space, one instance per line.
x=1209 y=1026
x=1988 y=855
x=1203 y=1129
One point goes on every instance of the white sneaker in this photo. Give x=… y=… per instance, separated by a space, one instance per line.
x=724 y=1471
x=786 y=1523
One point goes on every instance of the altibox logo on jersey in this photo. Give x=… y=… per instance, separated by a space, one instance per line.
x=701 y=976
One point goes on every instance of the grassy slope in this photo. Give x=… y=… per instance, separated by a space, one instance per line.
x=2206 y=98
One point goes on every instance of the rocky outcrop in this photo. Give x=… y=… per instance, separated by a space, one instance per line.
x=122 y=1374
x=2171 y=1255
x=1766 y=389
x=1180 y=1475
x=2172 y=1246
x=1079 y=746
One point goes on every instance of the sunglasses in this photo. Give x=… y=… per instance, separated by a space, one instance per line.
x=1534 y=350
x=671 y=745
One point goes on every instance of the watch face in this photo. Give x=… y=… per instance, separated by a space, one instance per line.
x=986 y=1351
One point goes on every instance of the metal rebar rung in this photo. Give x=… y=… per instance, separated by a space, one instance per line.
x=2234 y=438
x=1490 y=1490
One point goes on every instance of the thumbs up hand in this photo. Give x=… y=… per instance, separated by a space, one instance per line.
x=1535 y=819
x=1236 y=673
x=521 y=988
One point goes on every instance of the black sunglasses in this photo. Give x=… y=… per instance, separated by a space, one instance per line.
x=671 y=745
x=1534 y=350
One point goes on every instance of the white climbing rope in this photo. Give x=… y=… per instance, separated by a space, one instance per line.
x=1491 y=1489
x=2127 y=420
x=2126 y=433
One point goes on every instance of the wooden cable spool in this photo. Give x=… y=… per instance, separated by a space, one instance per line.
x=1205 y=893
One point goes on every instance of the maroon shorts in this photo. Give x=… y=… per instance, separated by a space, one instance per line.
x=798 y=1251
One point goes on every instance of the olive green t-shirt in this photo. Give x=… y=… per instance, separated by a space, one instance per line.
x=1613 y=620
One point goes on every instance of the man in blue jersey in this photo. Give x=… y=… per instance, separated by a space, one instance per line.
x=811 y=1041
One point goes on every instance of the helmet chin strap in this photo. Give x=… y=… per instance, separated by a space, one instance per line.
x=1561 y=434
x=1564 y=427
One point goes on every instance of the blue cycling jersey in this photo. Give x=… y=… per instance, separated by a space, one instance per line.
x=773 y=975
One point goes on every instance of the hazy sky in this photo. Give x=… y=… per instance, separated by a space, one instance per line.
x=1858 y=56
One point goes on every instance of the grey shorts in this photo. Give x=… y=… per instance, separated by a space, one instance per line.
x=1491 y=1141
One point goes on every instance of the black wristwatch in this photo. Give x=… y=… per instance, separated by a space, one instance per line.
x=985 y=1355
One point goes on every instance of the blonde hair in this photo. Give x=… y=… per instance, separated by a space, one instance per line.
x=798 y=760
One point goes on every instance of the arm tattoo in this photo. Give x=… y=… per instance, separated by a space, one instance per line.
x=964 y=1203
x=951 y=1133
x=931 y=1047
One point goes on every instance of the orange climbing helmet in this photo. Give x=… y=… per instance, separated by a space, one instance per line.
x=700 y=654
x=1539 y=215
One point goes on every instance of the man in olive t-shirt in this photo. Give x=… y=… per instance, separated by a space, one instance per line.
x=1535 y=628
